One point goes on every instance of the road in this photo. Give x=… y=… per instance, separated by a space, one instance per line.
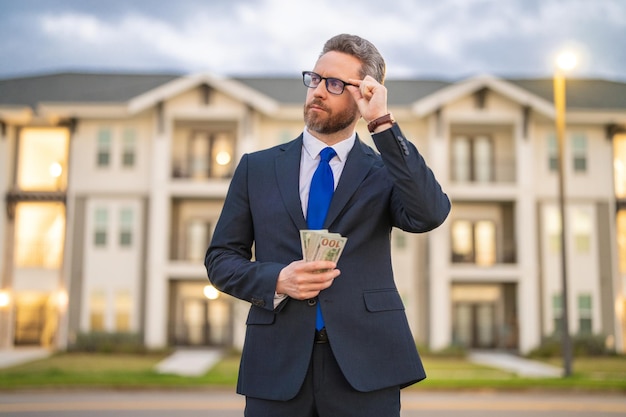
x=224 y=403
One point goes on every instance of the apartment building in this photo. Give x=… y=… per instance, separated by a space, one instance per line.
x=112 y=184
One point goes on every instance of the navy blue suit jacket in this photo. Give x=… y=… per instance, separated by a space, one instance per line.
x=364 y=314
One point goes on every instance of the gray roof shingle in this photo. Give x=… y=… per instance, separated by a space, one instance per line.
x=591 y=94
x=292 y=91
x=78 y=87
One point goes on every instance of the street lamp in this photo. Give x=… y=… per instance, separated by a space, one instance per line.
x=565 y=61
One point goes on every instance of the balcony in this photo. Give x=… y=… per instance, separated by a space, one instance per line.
x=483 y=234
x=203 y=151
x=485 y=156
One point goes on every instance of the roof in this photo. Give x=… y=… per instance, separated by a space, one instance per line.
x=71 y=87
x=292 y=91
x=78 y=87
x=593 y=94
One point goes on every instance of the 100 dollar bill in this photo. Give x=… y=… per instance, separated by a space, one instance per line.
x=320 y=245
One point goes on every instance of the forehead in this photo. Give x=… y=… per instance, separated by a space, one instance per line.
x=338 y=65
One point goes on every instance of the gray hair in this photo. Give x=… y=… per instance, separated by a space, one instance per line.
x=372 y=61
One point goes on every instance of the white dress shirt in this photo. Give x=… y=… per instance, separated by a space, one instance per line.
x=310 y=159
x=311 y=148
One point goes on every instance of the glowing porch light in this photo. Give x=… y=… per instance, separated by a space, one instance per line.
x=55 y=170
x=5 y=298
x=222 y=158
x=61 y=300
x=211 y=292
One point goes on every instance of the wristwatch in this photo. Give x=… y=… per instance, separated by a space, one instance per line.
x=388 y=118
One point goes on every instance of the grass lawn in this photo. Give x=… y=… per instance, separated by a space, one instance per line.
x=592 y=374
x=84 y=370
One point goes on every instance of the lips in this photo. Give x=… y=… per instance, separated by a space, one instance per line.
x=316 y=106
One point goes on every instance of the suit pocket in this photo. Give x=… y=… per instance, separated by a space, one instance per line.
x=383 y=300
x=260 y=316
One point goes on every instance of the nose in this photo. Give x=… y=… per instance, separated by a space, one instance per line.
x=320 y=90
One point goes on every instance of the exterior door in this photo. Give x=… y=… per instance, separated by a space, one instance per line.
x=30 y=318
x=474 y=325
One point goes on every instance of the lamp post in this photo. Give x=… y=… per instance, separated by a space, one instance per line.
x=565 y=62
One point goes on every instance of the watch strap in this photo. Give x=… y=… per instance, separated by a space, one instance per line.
x=388 y=118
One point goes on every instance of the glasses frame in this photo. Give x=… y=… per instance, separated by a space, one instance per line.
x=326 y=80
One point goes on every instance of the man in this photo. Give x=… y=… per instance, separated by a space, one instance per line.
x=356 y=364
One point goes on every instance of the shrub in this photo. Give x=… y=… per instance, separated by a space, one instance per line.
x=105 y=342
x=582 y=345
x=452 y=351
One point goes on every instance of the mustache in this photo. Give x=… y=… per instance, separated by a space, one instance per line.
x=317 y=103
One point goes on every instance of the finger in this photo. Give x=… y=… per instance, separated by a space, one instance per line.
x=315 y=266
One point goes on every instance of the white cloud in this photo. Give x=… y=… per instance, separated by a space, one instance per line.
x=278 y=36
x=80 y=27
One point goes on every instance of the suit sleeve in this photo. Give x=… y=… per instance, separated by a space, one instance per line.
x=228 y=260
x=418 y=203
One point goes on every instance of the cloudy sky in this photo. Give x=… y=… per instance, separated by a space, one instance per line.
x=447 y=39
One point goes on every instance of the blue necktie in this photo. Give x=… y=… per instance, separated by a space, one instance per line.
x=320 y=194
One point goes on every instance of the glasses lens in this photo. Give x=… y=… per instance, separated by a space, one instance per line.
x=334 y=85
x=311 y=79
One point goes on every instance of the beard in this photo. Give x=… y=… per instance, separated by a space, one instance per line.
x=330 y=122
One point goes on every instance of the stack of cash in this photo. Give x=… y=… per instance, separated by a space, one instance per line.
x=320 y=245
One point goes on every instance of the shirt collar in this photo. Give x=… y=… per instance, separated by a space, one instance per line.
x=313 y=146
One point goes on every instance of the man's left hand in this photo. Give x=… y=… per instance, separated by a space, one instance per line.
x=370 y=97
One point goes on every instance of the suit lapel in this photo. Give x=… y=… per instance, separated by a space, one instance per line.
x=287 y=170
x=358 y=164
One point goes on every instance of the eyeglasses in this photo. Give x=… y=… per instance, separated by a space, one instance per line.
x=333 y=85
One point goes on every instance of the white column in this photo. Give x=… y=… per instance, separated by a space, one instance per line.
x=7 y=319
x=156 y=309
x=440 y=320
x=528 y=296
x=440 y=294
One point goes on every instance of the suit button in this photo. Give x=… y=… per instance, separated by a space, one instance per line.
x=311 y=301
x=259 y=302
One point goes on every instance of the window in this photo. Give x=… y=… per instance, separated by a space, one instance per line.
x=211 y=154
x=553 y=153
x=582 y=228
x=474 y=242
x=619 y=150
x=472 y=159
x=552 y=223
x=123 y=304
x=39 y=234
x=621 y=240
x=126 y=227
x=101 y=222
x=399 y=239
x=579 y=152
x=104 y=148
x=97 y=304
x=198 y=238
x=42 y=159
x=129 y=148
x=483 y=159
x=584 y=314
x=557 y=313
x=462 y=241
x=485 y=238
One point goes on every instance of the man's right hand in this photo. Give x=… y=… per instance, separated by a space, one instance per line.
x=302 y=280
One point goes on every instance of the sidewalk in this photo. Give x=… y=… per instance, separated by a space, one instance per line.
x=513 y=363
x=190 y=362
x=16 y=356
